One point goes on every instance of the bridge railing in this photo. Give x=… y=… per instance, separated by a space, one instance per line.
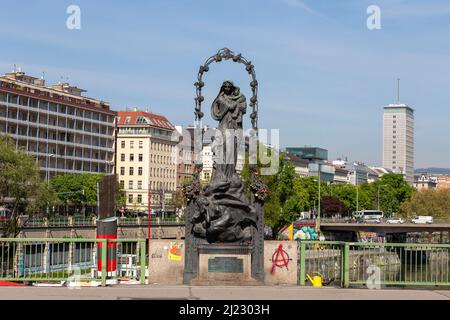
x=72 y=261
x=38 y=222
x=375 y=264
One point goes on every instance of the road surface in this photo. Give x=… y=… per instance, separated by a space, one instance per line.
x=139 y=292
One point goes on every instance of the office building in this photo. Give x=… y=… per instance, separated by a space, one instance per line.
x=398 y=140
x=66 y=131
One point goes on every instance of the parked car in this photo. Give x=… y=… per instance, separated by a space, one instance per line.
x=372 y=220
x=396 y=221
x=422 y=220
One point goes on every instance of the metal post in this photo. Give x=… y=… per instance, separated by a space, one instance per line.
x=143 y=253
x=378 y=197
x=302 y=269
x=318 y=205
x=104 y=262
x=357 y=191
x=345 y=265
x=149 y=229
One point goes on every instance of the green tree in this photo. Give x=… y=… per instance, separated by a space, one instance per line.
x=19 y=181
x=348 y=195
x=390 y=191
x=428 y=203
x=78 y=189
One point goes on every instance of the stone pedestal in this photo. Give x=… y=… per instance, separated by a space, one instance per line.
x=224 y=265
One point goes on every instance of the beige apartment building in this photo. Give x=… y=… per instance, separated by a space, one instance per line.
x=443 y=182
x=146 y=159
x=398 y=140
x=65 y=131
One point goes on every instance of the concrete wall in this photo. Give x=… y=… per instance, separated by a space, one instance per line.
x=166 y=268
x=281 y=263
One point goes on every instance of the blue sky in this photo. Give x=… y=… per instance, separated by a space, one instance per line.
x=324 y=77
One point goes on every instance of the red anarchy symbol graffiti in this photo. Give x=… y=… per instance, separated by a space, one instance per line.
x=280 y=259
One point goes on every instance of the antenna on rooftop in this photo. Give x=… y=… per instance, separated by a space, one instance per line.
x=14 y=68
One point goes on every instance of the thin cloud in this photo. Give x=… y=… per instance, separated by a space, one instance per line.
x=300 y=4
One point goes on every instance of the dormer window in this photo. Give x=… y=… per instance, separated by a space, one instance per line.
x=127 y=120
x=141 y=120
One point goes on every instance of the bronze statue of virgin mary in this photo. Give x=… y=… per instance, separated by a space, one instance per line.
x=228 y=108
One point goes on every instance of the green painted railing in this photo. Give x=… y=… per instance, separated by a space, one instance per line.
x=61 y=222
x=42 y=260
x=375 y=264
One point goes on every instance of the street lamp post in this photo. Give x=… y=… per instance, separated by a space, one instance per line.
x=47 y=166
x=357 y=190
x=48 y=175
x=318 y=204
x=149 y=226
x=378 y=195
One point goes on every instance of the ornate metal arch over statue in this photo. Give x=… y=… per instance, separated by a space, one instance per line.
x=224 y=227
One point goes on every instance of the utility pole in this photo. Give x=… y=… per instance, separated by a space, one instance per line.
x=357 y=190
x=149 y=229
x=318 y=205
x=379 y=187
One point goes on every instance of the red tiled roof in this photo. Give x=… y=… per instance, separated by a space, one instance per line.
x=155 y=119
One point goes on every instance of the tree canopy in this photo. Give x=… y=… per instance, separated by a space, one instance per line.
x=21 y=188
x=435 y=202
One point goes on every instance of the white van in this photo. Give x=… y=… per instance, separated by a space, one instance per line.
x=422 y=220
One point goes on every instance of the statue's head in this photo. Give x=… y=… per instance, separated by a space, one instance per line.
x=228 y=87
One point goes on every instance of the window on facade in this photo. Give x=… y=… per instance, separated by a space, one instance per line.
x=122 y=171
x=139 y=185
x=130 y=198
x=139 y=198
x=141 y=157
x=130 y=184
x=141 y=144
x=140 y=171
x=122 y=144
x=131 y=144
x=131 y=171
x=131 y=157
x=122 y=157
x=122 y=184
x=141 y=119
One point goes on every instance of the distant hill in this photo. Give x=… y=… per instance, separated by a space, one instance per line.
x=445 y=171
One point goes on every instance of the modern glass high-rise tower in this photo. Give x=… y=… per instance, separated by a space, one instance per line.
x=398 y=140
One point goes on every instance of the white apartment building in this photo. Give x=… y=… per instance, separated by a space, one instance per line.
x=398 y=140
x=65 y=131
x=146 y=159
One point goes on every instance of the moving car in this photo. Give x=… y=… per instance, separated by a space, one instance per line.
x=396 y=221
x=372 y=220
x=422 y=220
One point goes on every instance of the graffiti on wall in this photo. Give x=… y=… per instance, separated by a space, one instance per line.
x=280 y=259
x=176 y=251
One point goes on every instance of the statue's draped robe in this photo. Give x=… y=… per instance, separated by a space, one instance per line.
x=224 y=214
x=228 y=110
